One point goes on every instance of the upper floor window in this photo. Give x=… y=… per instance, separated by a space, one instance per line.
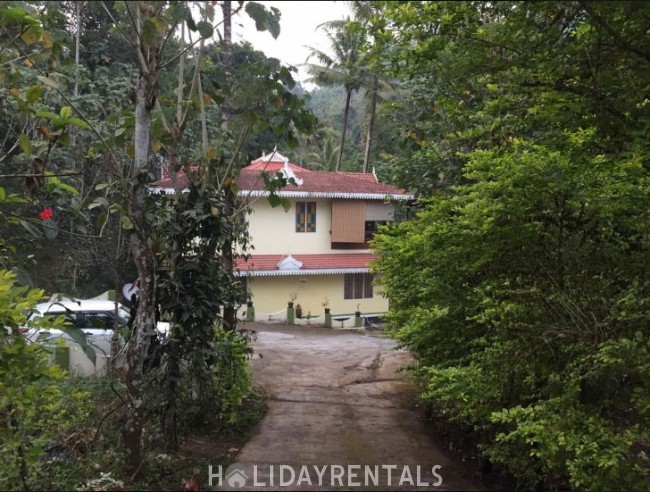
x=305 y=216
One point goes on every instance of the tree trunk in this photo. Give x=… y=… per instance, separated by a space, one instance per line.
x=144 y=325
x=229 y=315
x=172 y=377
x=78 y=6
x=371 y=122
x=115 y=339
x=348 y=97
x=227 y=39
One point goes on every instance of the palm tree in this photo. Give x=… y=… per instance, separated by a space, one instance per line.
x=368 y=15
x=326 y=158
x=344 y=67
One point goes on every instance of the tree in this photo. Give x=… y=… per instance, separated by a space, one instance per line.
x=370 y=16
x=513 y=288
x=343 y=68
x=326 y=159
x=132 y=127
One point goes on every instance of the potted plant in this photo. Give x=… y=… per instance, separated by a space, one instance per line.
x=292 y=297
x=328 y=316
x=358 y=322
x=326 y=305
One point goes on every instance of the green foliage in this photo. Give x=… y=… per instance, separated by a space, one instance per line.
x=51 y=103
x=34 y=408
x=265 y=20
x=232 y=382
x=477 y=73
x=211 y=392
x=522 y=287
x=524 y=296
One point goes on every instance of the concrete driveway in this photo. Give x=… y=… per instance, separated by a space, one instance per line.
x=340 y=418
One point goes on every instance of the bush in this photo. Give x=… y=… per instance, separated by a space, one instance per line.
x=524 y=297
x=34 y=408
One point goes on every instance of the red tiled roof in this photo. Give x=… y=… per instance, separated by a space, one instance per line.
x=315 y=182
x=324 y=182
x=271 y=167
x=309 y=262
x=365 y=176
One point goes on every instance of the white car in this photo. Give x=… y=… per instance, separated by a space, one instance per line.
x=89 y=331
x=96 y=319
x=93 y=317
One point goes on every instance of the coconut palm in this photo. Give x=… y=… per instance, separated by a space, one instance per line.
x=369 y=16
x=344 y=67
x=324 y=160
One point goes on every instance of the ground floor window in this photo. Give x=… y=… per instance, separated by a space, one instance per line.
x=357 y=286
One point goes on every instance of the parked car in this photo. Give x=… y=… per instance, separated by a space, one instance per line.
x=96 y=319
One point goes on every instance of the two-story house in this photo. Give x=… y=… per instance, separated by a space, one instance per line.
x=318 y=251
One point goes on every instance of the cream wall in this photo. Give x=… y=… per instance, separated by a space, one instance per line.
x=273 y=231
x=271 y=294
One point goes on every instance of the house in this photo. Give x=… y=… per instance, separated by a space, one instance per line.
x=316 y=254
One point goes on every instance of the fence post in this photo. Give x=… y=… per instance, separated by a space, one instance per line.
x=328 y=318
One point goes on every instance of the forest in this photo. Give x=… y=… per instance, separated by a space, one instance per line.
x=518 y=279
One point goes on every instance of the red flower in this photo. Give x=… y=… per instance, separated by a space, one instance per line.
x=46 y=214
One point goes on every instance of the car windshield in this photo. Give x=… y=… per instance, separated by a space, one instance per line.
x=87 y=318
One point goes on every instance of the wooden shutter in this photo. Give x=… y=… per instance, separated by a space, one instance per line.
x=348 y=221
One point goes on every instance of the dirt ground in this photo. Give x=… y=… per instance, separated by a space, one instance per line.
x=336 y=399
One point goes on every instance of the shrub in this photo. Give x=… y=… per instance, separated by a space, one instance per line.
x=524 y=297
x=33 y=406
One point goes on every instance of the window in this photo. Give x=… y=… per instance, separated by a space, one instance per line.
x=305 y=216
x=372 y=227
x=99 y=320
x=357 y=286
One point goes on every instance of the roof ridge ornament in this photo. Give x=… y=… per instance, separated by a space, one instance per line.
x=289 y=173
x=289 y=263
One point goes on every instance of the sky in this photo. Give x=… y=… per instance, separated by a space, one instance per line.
x=298 y=30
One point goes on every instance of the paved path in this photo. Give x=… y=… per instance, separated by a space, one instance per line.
x=335 y=398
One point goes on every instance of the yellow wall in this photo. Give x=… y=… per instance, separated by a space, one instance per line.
x=273 y=231
x=271 y=294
